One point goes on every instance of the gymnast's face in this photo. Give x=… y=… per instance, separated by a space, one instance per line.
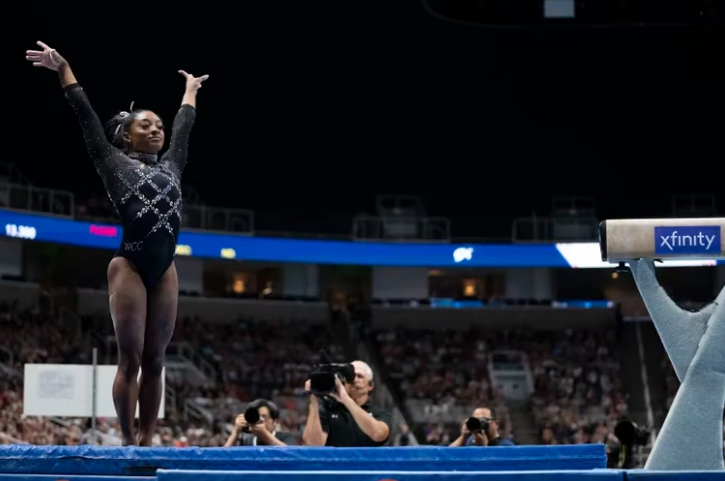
x=146 y=133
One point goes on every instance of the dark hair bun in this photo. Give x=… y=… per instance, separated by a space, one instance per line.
x=117 y=126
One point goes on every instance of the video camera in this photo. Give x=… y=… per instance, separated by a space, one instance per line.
x=630 y=434
x=476 y=425
x=322 y=378
x=323 y=375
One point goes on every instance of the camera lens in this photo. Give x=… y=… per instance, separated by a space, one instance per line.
x=252 y=415
x=474 y=424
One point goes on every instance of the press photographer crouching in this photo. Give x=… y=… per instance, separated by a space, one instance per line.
x=339 y=413
x=258 y=427
x=481 y=429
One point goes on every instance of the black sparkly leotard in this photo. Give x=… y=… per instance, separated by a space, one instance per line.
x=145 y=190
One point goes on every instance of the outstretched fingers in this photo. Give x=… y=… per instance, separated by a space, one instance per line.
x=35 y=57
x=189 y=76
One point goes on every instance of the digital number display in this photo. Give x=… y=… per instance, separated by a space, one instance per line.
x=305 y=251
x=20 y=231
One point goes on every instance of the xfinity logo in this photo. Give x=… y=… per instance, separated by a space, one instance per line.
x=688 y=240
x=463 y=254
x=697 y=240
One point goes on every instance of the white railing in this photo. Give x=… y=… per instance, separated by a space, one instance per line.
x=401 y=229
x=194 y=411
x=187 y=352
x=220 y=219
x=555 y=229
x=170 y=398
x=36 y=199
x=13 y=174
x=61 y=203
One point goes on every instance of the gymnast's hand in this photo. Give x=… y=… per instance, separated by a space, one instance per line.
x=193 y=83
x=48 y=57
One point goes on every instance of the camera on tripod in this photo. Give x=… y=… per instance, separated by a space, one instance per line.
x=322 y=377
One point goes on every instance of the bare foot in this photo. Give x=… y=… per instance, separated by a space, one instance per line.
x=140 y=441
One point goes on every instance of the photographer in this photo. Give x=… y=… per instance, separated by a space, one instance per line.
x=344 y=418
x=481 y=429
x=258 y=427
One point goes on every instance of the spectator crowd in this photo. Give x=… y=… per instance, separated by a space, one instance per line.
x=577 y=396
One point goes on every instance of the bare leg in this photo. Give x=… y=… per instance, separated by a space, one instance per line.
x=127 y=299
x=162 y=306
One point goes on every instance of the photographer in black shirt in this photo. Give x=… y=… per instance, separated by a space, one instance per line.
x=345 y=418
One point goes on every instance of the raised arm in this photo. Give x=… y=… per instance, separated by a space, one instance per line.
x=317 y=426
x=192 y=85
x=184 y=121
x=99 y=148
x=93 y=134
x=180 y=132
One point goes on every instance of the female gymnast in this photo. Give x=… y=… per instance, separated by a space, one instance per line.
x=142 y=282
